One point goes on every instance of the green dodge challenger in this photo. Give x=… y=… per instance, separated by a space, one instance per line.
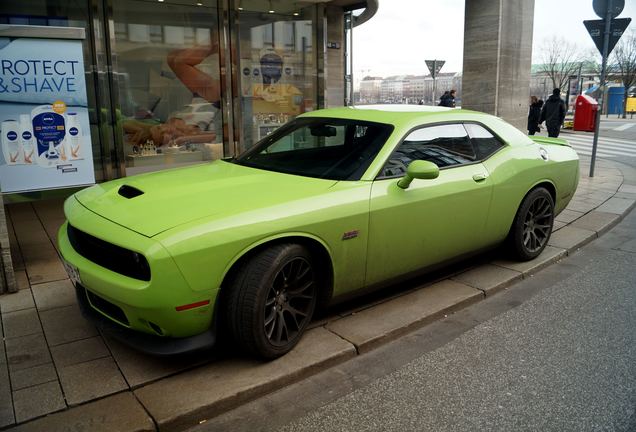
x=336 y=201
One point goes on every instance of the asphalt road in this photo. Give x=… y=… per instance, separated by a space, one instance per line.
x=556 y=352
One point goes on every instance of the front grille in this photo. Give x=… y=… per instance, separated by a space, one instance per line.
x=108 y=255
x=107 y=308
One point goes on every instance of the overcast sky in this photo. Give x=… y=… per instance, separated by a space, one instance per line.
x=404 y=33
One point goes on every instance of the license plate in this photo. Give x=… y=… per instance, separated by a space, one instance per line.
x=73 y=273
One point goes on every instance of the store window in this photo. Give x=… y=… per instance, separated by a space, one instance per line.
x=277 y=66
x=167 y=75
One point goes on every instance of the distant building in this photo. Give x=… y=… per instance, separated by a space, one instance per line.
x=408 y=88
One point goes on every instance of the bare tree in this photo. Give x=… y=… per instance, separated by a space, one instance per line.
x=560 y=60
x=624 y=64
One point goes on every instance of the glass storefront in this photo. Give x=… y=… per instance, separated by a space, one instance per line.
x=175 y=82
x=277 y=65
x=166 y=71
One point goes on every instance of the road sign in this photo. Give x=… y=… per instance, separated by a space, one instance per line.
x=600 y=8
x=596 y=28
x=434 y=66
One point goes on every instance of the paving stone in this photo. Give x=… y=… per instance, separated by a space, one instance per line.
x=488 y=278
x=27 y=351
x=79 y=351
x=6 y=401
x=581 y=206
x=627 y=188
x=20 y=323
x=617 y=205
x=570 y=238
x=31 y=233
x=43 y=264
x=33 y=376
x=548 y=256
x=183 y=400
x=625 y=195
x=403 y=314
x=22 y=280
x=557 y=225
x=121 y=412
x=22 y=212
x=568 y=215
x=52 y=295
x=597 y=221
x=49 y=209
x=139 y=368
x=37 y=401
x=90 y=380
x=16 y=301
x=66 y=324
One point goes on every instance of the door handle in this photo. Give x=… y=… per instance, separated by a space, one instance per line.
x=480 y=177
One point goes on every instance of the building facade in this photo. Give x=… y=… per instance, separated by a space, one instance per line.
x=176 y=82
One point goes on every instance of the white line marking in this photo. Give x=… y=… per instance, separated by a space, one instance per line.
x=624 y=127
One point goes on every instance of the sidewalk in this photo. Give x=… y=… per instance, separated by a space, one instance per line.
x=54 y=362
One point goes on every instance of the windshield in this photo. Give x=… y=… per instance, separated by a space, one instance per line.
x=334 y=149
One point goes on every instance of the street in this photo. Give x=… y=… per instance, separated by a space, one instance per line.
x=553 y=352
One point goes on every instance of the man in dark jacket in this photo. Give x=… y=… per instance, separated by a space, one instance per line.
x=448 y=99
x=553 y=113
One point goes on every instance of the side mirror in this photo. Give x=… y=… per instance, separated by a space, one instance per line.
x=419 y=169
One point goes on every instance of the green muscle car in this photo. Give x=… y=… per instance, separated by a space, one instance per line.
x=335 y=201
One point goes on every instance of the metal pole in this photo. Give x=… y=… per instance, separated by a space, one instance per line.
x=434 y=80
x=606 y=35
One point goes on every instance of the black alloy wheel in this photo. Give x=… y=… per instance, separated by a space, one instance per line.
x=532 y=226
x=271 y=300
x=289 y=302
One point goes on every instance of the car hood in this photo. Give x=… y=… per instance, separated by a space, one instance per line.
x=152 y=203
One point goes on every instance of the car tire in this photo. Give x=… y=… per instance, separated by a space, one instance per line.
x=532 y=226
x=272 y=299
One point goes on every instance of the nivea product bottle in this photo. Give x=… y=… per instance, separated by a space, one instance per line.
x=74 y=136
x=49 y=130
x=26 y=139
x=10 y=142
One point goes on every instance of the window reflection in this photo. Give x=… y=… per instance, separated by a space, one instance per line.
x=277 y=68
x=167 y=77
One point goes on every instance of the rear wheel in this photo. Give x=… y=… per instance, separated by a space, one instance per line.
x=532 y=226
x=272 y=299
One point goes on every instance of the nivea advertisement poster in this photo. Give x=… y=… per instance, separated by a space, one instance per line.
x=44 y=126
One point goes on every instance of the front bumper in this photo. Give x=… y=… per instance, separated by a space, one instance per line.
x=152 y=307
x=144 y=342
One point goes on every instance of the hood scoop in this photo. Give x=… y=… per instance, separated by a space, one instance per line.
x=129 y=191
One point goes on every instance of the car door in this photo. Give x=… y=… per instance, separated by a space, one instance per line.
x=431 y=220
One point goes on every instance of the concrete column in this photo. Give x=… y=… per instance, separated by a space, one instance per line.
x=334 y=58
x=498 y=57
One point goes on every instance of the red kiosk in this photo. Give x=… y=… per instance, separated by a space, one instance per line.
x=585 y=113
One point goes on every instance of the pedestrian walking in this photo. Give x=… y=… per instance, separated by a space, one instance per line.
x=553 y=113
x=534 y=115
x=448 y=99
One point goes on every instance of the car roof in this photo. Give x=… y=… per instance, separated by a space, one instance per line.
x=389 y=113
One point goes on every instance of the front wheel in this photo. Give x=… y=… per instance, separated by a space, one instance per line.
x=272 y=299
x=532 y=225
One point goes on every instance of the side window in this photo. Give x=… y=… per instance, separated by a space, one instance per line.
x=484 y=142
x=444 y=145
